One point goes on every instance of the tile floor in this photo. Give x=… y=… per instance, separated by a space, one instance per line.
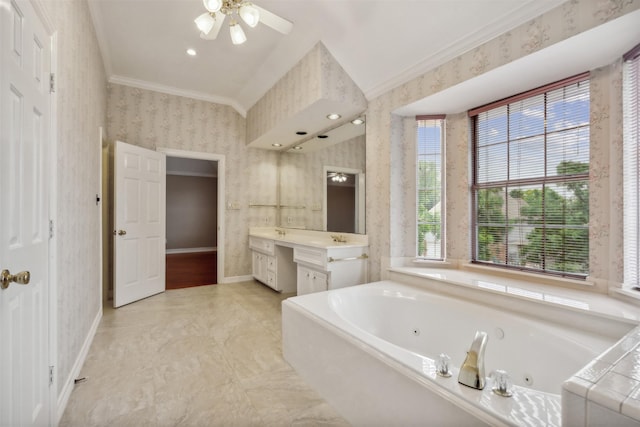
x=204 y=356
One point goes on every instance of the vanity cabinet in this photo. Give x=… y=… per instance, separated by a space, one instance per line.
x=307 y=263
x=320 y=269
x=264 y=269
x=272 y=265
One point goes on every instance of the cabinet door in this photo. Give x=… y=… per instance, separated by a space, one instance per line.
x=259 y=266
x=255 y=265
x=304 y=281
x=310 y=281
x=318 y=281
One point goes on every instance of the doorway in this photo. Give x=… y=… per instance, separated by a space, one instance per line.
x=195 y=219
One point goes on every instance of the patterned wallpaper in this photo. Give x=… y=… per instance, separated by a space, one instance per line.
x=384 y=134
x=81 y=110
x=316 y=76
x=302 y=180
x=157 y=120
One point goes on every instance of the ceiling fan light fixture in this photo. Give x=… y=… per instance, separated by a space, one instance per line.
x=237 y=33
x=205 y=22
x=212 y=5
x=249 y=14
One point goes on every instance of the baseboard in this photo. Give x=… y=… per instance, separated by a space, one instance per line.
x=65 y=393
x=237 y=279
x=190 y=250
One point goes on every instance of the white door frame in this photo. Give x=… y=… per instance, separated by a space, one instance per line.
x=220 y=158
x=54 y=405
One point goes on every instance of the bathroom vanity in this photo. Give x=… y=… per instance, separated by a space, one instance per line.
x=304 y=261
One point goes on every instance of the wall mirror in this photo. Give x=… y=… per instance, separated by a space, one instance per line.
x=322 y=183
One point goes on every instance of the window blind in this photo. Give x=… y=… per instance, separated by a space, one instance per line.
x=429 y=187
x=631 y=167
x=531 y=180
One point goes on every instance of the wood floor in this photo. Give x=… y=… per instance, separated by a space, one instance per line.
x=191 y=269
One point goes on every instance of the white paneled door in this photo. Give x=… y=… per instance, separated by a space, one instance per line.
x=25 y=138
x=140 y=226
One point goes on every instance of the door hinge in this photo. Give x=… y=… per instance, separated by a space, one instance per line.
x=52 y=83
x=50 y=375
x=50 y=229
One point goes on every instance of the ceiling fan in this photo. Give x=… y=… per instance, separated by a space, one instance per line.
x=210 y=22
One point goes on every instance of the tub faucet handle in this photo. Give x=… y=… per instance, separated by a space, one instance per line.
x=442 y=365
x=502 y=386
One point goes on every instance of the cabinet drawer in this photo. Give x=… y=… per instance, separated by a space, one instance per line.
x=271 y=280
x=263 y=245
x=272 y=264
x=310 y=256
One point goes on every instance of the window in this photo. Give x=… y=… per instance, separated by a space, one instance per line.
x=530 y=186
x=429 y=185
x=631 y=167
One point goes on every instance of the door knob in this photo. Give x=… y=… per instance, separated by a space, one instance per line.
x=6 y=278
x=121 y=232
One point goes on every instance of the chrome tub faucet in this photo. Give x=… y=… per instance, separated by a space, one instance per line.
x=472 y=370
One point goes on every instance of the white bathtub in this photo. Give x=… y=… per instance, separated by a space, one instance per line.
x=369 y=350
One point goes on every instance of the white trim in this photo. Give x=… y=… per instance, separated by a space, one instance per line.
x=170 y=90
x=52 y=167
x=237 y=279
x=500 y=25
x=66 y=390
x=198 y=174
x=190 y=250
x=220 y=158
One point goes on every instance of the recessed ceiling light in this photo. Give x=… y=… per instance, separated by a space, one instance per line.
x=323 y=136
x=357 y=121
x=333 y=116
x=276 y=145
x=297 y=147
x=191 y=52
x=301 y=132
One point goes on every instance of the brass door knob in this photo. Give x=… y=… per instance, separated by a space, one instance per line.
x=6 y=278
x=121 y=232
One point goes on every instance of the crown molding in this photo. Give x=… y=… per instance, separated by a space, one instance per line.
x=169 y=90
x=491 y=30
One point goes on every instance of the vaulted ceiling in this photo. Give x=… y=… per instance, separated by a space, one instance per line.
x=379 y=43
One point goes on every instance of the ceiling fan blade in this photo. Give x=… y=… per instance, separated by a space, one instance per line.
x=274 y=21
x=216 y=28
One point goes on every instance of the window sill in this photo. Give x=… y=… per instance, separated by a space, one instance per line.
x=422 y=262
x=533 y=277
x=627 y=295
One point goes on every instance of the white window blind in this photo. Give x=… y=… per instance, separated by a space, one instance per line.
x=631 y=167
x=531 y=180
x=429 y=187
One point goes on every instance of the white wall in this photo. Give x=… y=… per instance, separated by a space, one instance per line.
x=81 y=110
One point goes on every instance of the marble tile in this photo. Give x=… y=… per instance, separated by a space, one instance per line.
x=209 y=355
x=629 y=365
x=611 y=390
x=631 y=406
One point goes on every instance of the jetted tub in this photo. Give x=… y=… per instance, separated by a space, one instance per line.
x=371 y=350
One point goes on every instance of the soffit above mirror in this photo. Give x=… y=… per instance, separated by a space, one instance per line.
x=302 y=100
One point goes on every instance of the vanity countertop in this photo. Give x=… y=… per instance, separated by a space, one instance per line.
x=316 y=239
